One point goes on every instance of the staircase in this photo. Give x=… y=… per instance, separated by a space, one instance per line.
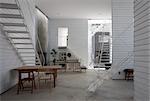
x=105 y=57
x=16 y=31
x=107 y=74
x=102 y=50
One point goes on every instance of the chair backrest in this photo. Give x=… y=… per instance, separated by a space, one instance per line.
x=45 y=70
x=27 y=74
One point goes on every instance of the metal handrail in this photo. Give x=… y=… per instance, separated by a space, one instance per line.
x=17 y=1
x=39 y=43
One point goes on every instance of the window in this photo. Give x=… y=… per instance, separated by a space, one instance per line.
x=104 y=38
x=62 y=37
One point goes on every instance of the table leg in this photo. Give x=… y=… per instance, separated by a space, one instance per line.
x=54 y=77
x=19 y=82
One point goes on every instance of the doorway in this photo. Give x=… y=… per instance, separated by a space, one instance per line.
x=99 y=42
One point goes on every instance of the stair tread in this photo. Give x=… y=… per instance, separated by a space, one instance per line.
x=18 y=38
x=16 y=16
x=25 y=48
x=22 y=43
x=9 y=6
x=28 y=56
x=16 y=31
x=14 y=24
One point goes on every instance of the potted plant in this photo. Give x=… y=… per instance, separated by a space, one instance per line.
x=54 y=53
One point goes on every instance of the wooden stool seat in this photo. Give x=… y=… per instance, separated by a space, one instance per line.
x=129 y=74
x=83 y=68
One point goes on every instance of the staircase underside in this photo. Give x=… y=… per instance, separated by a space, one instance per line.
x=16 y=30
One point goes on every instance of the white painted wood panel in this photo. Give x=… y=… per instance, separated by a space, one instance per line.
x=8 y=61
x=142 y=50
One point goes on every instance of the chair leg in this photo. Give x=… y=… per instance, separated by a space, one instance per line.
x=32 y=86
x=18 y=88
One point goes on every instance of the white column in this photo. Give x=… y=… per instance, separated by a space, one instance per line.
x=142 y=50
x=122 y=33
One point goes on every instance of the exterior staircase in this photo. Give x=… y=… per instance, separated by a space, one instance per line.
x=15 y=29
x=102 y=50
x=105 y=56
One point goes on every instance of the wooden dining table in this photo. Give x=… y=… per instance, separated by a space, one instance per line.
x=54 y=69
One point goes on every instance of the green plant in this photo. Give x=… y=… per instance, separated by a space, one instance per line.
x=54 y=54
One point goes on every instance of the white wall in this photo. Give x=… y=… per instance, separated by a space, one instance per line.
x=42 y=29
x=8 y=61
x=78 y=36
x=142 y=50
x=122 y=32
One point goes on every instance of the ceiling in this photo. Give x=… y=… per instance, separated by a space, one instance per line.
x=76 y=9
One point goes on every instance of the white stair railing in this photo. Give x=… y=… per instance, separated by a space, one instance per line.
x=42 y=62
x=102 y=76
x=107 y=74
x=101 y=48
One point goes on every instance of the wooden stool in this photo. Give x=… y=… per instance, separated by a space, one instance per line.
x=129 y=74
x=83 y=68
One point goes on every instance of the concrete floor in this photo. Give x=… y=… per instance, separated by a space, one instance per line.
x=72 y=86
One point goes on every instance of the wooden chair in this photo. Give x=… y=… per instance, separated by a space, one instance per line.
x=28 y=78
x=45 y=75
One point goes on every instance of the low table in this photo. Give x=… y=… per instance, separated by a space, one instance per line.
x=35 y=69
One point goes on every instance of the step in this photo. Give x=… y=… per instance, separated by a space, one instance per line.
x=28 y=58
x=29 y=62
x=9 y=6
x=16 y=31
x=14 y=28
x=26 y=50
x=15 y=16
x=27 y=53
x=18 y=35
x=10 y=11
x=37 y=62
x=21 y=41
x=14 y=24
x=23 y=46
x=8 y=20
x=9 y=1
x=18 y=38
x=104 y=61
x=105 y=56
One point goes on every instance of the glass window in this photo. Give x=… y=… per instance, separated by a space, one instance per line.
x=62 y=36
